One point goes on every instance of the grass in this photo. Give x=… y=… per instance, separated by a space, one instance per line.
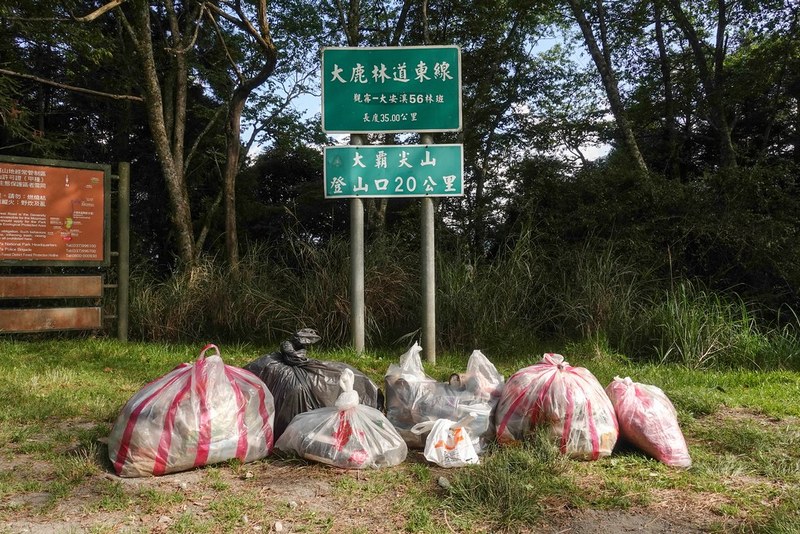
x=741 y=426
x=512 y=486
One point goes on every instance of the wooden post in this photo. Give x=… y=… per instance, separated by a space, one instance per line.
x=123 y=271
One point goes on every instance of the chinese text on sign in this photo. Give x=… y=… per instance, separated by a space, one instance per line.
x=391 y=89
x=393 y=171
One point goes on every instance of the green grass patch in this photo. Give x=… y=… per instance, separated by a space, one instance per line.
x=741 y=426
x=511 y=486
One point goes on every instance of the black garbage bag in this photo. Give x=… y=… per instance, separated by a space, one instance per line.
x=299 y=383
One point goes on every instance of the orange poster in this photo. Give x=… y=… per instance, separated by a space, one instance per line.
x=53 y=214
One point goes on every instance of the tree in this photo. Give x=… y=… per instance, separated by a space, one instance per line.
x=166 y=98
x=601 y=55
x=360 y=23
x=258 y=33
x=179 y=86
x=498 y=78
x=712 y=76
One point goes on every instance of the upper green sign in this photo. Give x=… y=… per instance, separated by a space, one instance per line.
x=391 y=89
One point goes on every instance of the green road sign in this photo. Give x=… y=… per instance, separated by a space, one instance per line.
x=391 y=89
x=394 y=171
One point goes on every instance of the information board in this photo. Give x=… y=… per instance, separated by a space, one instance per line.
x=394 y=171
x=53 y=212
x=391 y=89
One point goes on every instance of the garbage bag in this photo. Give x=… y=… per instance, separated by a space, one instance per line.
x=347 y=435
x=482 y=378
x=196 y=414
x=300 y=384
x=567 y=400
x=413 y=397
x=648 y=420
x=448 y=443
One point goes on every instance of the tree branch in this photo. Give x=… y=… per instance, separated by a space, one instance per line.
x=189 y=46
x=218 y=31
x=99 y=11
x=199 y=138
x=242 y=22
x=83 y=90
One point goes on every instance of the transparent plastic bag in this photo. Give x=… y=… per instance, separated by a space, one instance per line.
x=648 y=420
x=482 y=378
x=348 y=435
x=568 y=400
x=196 y=414
x=448 y=443
x=413 y=397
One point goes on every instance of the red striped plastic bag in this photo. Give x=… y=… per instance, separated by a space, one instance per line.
x=196 y=414
x=567 y=400
x=648 y=420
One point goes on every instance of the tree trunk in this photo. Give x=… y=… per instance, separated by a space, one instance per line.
x=233 y=146
x=712 y=79
x=727 y=153
x=796 y=153
x=670 y=131
x=180 y=211
x=478 y=217
x=611 y=87
x=260 y=34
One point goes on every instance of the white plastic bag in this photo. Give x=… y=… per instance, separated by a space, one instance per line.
x=568 y=401
x=348 y=435
x=648 y=420
x=482 y=378
x=196 y=414
x=448 y=443
x=413 y=397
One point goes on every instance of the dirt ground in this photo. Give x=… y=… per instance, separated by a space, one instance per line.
x=295 y=498
x=286 y=496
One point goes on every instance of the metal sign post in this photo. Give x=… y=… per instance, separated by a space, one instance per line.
x=358 y=314
x=428 y=274
x=392 y=90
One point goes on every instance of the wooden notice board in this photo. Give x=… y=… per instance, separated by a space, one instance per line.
x=43 y=319
x=48 y=319
x=50 y=287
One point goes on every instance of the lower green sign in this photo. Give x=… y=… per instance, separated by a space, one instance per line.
x=394 y=171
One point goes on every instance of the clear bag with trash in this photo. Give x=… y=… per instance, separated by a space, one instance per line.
x=348 y=435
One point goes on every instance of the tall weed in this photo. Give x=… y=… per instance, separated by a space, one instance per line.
x=599 y=296
x=487 y=302
x=317 y=282
x=209 y=301
x=275 y=291
x=700 y=328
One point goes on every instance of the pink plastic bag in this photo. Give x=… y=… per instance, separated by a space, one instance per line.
x=196 y=414
x=567 y=400
x=649 y=421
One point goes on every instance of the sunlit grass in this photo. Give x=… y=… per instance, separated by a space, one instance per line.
x=741 y=426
